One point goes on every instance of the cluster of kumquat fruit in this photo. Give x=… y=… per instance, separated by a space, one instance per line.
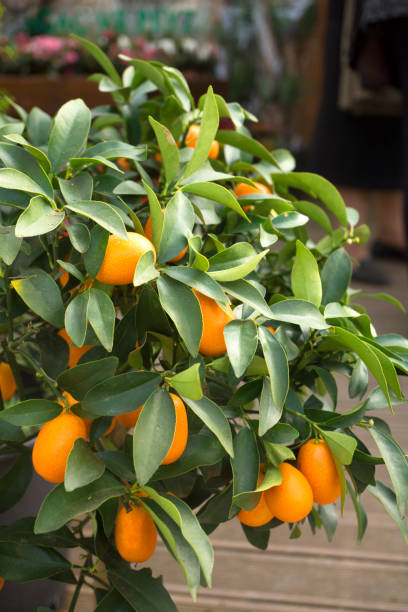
x=315 y=479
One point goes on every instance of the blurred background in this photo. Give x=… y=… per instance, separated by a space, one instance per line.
x=327 y=79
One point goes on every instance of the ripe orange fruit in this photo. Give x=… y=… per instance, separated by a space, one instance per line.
x=180 y=437
x=75 y=352
x=121 y=257
x=242 y=189
x=191 y=141
x=69 y=399
x=8 y=385
x=123 y=163
x=129 y=419
x=148 y=232
x=316 y=463
x=1 y=582
x=215 y=319
x=292 y=500
x=270 y=329
x=135 y=534
x=260 y=515
x=54 y=443
x=88 y=423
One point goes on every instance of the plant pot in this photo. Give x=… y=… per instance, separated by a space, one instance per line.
x=28 y=596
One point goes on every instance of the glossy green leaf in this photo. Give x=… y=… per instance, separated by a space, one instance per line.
x=214 y=418
x=38 y=126
x=208 y=130
x=198 y=280
x=102 y=213
x=202 y=449
x=218 y=193
x=112 y=149
x=168 y=149
x=76 y=318
x=119 y=394
x=341 y=445
x=31 y=412
x=177 y=299
x=41 y=293
x=299 y=312
x=315 y=212
x=235 y=262
x=143 y=592
x=83 y=466
x=187 y=382
x=14 y=483
x=15 y=157
x=197 y=259
x=336 y=275
x=245 y=469
x=248 y=294
x=19 y=563
x=69 y=133
x=396 y=464
x=145 y=270
x=247 y=144
x=38 y=218
x=289 y=220
x=156 y=215
x=278 y=369
x=281 y=433
x=94 y=256
x=360 y=513
x=306 y=283
x=78 y=188
x=385 y=298
x=178 y=224
x=241 y=340
x=17 y=180
x=100 y=57
x=9 y=244
x=61 y=506
x=153 y=434
x=334 y=310
x=39 y=155
x=79 y=379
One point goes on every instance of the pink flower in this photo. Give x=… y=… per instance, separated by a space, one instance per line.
x=44 y=46
x=70 y=57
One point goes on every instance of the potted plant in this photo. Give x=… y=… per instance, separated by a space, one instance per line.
x=176 y=338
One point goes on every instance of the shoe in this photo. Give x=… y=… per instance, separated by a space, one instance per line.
x=369 y=272
x=382 y=250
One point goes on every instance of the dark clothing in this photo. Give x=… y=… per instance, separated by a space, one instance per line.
x=356 y=151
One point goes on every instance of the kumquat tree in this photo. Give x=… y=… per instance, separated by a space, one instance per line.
x=172 y=339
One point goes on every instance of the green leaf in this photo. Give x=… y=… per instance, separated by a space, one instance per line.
x=102 y=213
x=76 y=318
x=248 y=294
x=83 y=466
x=119 y=394
x=289 y=220
x=360 y=513
x=151 y=73
x=387 y=498
x=101 y=316
x=145 y=270
x=38 y=126
x=241 y=340
x=277 y=453
x=14 y=483
x=16 y=180
x=334 y=310
x=156 y=215
x=247 y=144
x=245 y=469
x=208 y=130
x=235 y=262
x=341 y=445
x=31 y=412
x=78 y=188
x=299 y=312
x=129 y=188
x=396 y=464
x=366 y=353
x=168 y=149
x=385 y=298
x=112 y=149
x=143 y=592
x=19 y=563
x=38 y=218
x=113 y=601
x=330 y=519
x=306 y=283
x=178 y=224
x=61 y=506
x=69 y=133
x=315 y=212
x=199 y=280
x=41 y=293
x=187 y=382
x=100 y=57
x=177 y=299
x=336 y=275
x=218 y=193
x=153 y=434
x=9 y=244
x=317 y=187
x=39 y=155
x=95 y=254
x=196 y=259
x=281 y=433
x=71 y=269
x=81 y=378
x=214 y=418
x=20 y=159
x=278 y=369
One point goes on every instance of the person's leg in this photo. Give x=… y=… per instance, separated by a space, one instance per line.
x=390 y=235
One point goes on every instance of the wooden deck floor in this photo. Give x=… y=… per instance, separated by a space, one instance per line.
x=308 y=573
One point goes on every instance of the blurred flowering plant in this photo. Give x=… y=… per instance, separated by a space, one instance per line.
x=24 y=54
